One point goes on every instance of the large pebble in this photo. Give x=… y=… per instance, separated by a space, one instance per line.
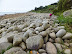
x=58 y=40
x=13 y=50
x=22 y=45
x=42 y=51
x=43 y=33
x=67 y=36
x=17 y=40
x=61 y=33
x=58 y=46
x=34 y=42
x=5 y=46
x=39 y=29
x=50 y=48
x=67 y=51
x=52 y=35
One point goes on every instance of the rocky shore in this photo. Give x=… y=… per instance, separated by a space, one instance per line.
x=34 y=34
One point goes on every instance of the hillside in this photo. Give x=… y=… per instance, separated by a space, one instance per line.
x=35 y=32
x=46 y=9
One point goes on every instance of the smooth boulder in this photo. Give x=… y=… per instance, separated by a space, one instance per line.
x=61 y=33
x=50 y=48
x=67 y=36
x=13 y=50
x=5 y=46
x=34 y=42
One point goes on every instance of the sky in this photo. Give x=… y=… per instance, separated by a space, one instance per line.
x=22 y=5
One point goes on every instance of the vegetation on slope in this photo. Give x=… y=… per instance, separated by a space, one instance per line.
x=46 y=9
x=58 y=9
x=65 y=21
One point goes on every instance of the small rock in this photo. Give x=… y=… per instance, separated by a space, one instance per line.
x=3 y=39
x=42 y=51
x=43 y=33
x=61 y=27
x=66 y=44
x=48 y=30
x=67 y=51
x=10 y=29
x=58 y=40
x=24 y=30
x=21 y=52
x=37 y=32
x=58 y=46
x=70 y=44
x=46 y=25
x=51 y=40
x=32 y=25
x=38 y=24
x=13 y=50
x=67 y=36
x=52 y=35
x=44 y=46
x=25 y=36
x=56 y=29
x=34 y=52
x=22 y=45
x=39 y=29
x=17 y=40
x=46 y=39
x=4 y=46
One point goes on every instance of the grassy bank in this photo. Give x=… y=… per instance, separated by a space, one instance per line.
x=65 y=21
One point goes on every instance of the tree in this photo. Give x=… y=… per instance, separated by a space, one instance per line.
x=41 y=7
x=35 y=8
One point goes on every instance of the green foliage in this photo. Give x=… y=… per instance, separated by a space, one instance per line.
x=64 y=4
x=6 y=49
x=65 y=21
x=2 y=51
x=46 y=9
x=59 y=52
x=9 y=47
